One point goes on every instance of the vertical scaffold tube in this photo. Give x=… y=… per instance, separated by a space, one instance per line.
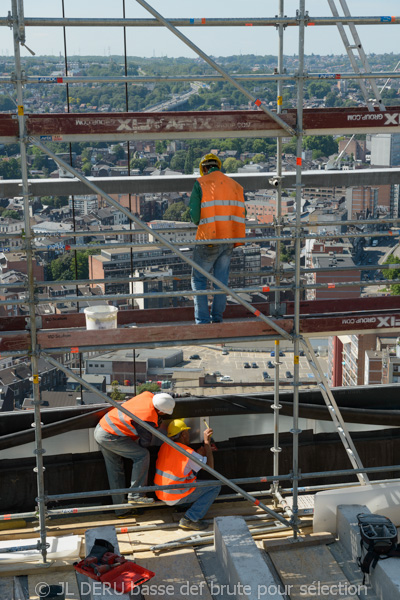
x=296 y=370
x=31 y=282
x=276 y=449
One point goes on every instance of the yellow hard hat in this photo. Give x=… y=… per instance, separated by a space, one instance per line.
x=209 y=159
x=176 y=426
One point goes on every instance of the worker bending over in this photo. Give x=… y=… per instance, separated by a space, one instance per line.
x=172 y=467
x=119 y=436
x=217 y=206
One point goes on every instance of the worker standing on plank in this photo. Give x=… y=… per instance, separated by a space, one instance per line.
x=217 y=207
x=172 y=467
x=120 y=437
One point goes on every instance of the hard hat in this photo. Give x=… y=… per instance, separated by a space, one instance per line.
x=176 y=426
x=208 y=160
x=164 y=402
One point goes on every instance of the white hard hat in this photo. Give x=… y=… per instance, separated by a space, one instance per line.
x=164 y=402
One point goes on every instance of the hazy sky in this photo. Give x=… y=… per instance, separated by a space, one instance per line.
x=214 y=41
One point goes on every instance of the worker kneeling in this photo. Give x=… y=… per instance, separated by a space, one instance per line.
x=172 y=467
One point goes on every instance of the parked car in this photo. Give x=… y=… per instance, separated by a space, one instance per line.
x=246 y=365
x=288 y=375
x=254 y=365
x=217 y=374
x=270 y=365
x=226 y=378
x=273 y=353
x=266 y=375
x=281 y=353
x=302 y=353
x=224 y=352
x=194 y=357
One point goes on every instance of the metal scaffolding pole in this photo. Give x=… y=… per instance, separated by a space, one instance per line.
x=167 y=440
x=161 y=239
x=276 y=406
x=19 y=38
x=204 y=22
x=297 y=292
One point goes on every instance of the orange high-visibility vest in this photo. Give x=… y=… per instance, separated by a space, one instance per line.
x=170 y=468
x=222 y=209
x=120 y=424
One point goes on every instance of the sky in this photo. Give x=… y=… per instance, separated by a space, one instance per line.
x=213 y=41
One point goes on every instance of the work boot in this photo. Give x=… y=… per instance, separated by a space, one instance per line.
x=200 y=525
x=140 y=500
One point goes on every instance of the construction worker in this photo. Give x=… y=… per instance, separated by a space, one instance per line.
x=172 y=467
x=119 y=436
x=217 y=207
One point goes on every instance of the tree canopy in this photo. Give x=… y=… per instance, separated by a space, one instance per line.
x=178 y=211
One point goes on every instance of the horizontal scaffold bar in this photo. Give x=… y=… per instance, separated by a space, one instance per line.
x=186 y=125
x=184 y=183
x=204 y=22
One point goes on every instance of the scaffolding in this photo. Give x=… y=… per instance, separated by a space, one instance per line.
x=129 y=126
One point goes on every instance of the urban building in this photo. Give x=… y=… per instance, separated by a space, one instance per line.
x=83 y=205
x=385 y=150
x=362 y=202
x=133 y=365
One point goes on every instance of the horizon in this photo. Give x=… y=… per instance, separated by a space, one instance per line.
x=260 y=41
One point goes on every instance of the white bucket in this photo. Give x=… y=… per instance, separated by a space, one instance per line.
x=102 y=316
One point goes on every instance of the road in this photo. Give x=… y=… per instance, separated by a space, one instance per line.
x=373 y=255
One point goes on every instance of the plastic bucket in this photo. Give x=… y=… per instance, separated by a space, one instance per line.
x=101 y=317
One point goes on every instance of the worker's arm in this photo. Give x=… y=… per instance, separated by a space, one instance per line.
x=195 y=203
x=207 y=447
x=144 y=435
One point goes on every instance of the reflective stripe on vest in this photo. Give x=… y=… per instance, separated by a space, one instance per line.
x=116 y=429
x=118 y=423
x=221 y=203
x=222 y=209
x=229 y=218
x=170 y=468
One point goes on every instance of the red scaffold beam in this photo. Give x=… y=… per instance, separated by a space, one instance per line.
x=213 y=124
x=80 y=339
x=339 y=307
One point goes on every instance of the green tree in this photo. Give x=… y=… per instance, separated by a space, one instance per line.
x=392 y=274
x=188 y=166
x=175 y=212
x=257 y=158
x=68 y=267
x=178 y=161
x=116 y=394
x=12 y=214
x=161 y=164
x=118 y=152
x=290 y=148
x=139 y=163
x=325 y=143
x=148 y=387
x=287 y=253
x=86 y=167
x=10 y=169
x=231 y=165
x=161 y=146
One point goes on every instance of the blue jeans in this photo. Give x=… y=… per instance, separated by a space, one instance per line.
x=216 y=258
x=113 y=448
x=202 y=498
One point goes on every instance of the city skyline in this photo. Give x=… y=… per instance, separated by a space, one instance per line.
x=149 y=42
